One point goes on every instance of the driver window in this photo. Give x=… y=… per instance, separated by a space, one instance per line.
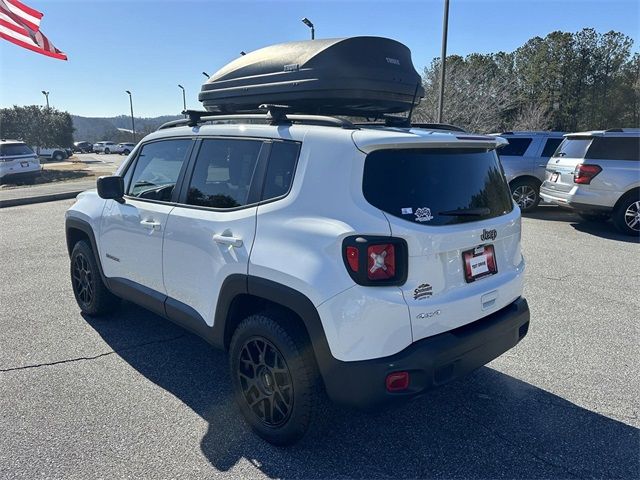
x=157 y=168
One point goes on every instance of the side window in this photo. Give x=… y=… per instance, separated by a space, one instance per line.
x=517 y=146
x=156 y=169
x=551 y=146
x=282 y=165
x=223 y=172
x=615 y=148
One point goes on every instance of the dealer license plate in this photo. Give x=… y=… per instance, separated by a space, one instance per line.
x=479 y=262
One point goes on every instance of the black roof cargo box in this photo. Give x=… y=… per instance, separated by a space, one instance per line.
x=365 y=76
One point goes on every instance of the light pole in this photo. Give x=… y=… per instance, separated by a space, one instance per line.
x=205 y=74
x=184 y=100
x=133 y=125
x=46 y=95
x=443 y=58
x=308 y=23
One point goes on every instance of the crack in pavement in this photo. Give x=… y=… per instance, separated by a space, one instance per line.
x=72 y=360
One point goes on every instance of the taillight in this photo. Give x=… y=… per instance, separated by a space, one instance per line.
x=376 y=260
x=585 y=173
x=397 y=381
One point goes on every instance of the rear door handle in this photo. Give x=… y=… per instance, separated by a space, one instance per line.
x=150 y=224
x=227 y=239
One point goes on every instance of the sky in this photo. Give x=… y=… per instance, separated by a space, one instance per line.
x=151 y=46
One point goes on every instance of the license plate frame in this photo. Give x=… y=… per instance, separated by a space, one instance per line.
x=554 y=177
x=24 y=164
x=479 y=262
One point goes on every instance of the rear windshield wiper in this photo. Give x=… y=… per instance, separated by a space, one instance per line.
x=467 y=212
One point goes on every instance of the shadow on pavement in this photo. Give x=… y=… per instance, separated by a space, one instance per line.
x=602 y=229
x=488 y=425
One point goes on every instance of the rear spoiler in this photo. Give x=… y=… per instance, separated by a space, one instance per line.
x=444 y=141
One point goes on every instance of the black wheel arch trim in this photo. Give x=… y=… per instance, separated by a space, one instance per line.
x=84 y=227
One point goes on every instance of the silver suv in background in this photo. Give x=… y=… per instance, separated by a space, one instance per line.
x=104 y=147
x=597 y=174
x=524 y=160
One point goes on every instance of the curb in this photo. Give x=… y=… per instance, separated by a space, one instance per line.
x=14 y=202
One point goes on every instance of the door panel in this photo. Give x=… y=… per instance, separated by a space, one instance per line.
x=210 y=236
x=131 y=240
x=131 y=232
x=199 y=253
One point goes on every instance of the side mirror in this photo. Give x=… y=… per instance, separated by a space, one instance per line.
x=111 y=188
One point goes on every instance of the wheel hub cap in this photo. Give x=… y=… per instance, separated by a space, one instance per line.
x=82 y=279
x=265 y=381
x=524 y=196
x=632 y=216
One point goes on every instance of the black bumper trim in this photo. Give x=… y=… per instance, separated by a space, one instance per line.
x=431 y=362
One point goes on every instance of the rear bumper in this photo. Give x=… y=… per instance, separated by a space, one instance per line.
x=581 y=199
x=431 y=362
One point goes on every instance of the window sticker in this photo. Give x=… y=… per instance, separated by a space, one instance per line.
x=407 y=211
x=423 y=214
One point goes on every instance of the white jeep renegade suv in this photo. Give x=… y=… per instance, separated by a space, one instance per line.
x=370 y=263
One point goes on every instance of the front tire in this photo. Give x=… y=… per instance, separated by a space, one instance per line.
x=58 y=156
x=92 y=295
x=107 y=151
x=526 y=193
x=626 y=215
x=275 y=380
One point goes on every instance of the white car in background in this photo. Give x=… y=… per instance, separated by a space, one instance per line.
x=104 y=147
x=17 y=160
x=124 y=148
x=57 y=154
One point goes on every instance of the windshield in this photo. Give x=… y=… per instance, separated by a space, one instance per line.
x=437 y=186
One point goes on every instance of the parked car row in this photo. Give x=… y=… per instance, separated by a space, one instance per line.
x=595 y=173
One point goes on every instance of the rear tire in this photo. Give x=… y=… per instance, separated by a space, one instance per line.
x=126 y=152
x=626 y=215
x=275 y=380
x=107 y=151
x=526 y=193
x=92 y=295
x=58 y=156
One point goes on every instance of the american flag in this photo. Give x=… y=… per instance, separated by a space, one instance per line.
x=20 y=24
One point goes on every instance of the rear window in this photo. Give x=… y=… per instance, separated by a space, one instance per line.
x=573 y=147
x=615 y=148
x=516 y=147
x=550 y=146
x=437 y=186
x=15 y=149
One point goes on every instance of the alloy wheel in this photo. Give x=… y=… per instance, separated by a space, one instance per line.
x=525 y=196
x=632 y=216
x=82 y=279
x=266 y=381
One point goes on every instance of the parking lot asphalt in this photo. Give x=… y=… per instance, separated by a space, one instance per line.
x=134 y=396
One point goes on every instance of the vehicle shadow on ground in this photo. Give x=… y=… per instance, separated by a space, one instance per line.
x=488 y=425
x=602 y=229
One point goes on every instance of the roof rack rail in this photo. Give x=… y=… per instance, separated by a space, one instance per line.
x=275 y=116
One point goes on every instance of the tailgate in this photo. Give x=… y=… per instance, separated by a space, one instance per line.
x=453 y=208
x=439 y=291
